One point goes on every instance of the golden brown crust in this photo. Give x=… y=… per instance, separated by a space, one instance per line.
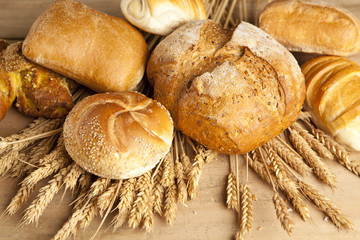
x=314 y=27
x=104 y=53
x=118 y=135
x=229 y=90
x=40 y=92
x=333 y=97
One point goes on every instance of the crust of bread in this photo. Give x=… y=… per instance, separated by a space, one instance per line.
x=314 y=27
x=102 y=52
x=231 y=91
x=118 y=135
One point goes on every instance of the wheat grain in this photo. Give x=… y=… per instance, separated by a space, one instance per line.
x=143 y=188
x=282 y=213
x=45 y=196
x=287 y=185
x=127 y=196
x=290 y=158
x=319 y=168
x=231 y=194
x=105 y=199
x=170 y=204
x=338 y=218
x=313 y=142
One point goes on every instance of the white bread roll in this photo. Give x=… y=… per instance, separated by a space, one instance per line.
x=102 y=52
x=162 y=16
x=333 y=97
x=312 y=26
x=118 y=135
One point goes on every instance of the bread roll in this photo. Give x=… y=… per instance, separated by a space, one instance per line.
x=102 y=52
x=333 y=97
x=314 y=27
x=39 y=92
x=231 y=91
x=7 y=86
x=118 y=135
x=162 y=16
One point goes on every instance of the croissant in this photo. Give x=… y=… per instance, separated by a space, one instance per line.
x=162 y=16
x=333 y=97
x=118 y=135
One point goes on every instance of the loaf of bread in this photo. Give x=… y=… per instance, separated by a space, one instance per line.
x=102 y=52
x=314 y=27
x=118 y=135
x=230 y=90
x=7 y=86
x=162 y=16
x=333 y=97
x=39 y=92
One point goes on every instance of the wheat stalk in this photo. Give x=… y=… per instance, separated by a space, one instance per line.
x=182 y=189
x=313 y=142
x=282 y=213
x=143 y=188
x=289 y=157
x=319 y=168
x=287 y=185
x=246 y=219
x=168 y=172
x=170 y=203
x=187 y=166
x=338 y=218
x=260 y=168
x=194 y=176
x=45 y=196
x=105 y=199
x=127 y=196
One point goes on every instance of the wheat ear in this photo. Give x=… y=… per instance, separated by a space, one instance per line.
x=158 y=192
x=194 y=176
x=231 y=195
x=246 y=219
x=71 y=179
x=287 y=185
x=338 y=218
x=147 y=212
x=168 y=172
x=45 y=196
x=290 y=157
x=319 y=168
x=282 y=213
x=143 y=188
x=105 y=199
x=313 y=142
x=260 y=169
x=170 y=203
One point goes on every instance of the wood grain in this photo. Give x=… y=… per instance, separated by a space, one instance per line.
x=204 y=218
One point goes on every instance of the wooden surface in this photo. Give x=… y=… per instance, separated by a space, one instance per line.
x=204 y=218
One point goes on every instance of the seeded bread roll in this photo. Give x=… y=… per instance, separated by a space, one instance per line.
x=118 y=135
x=231 y=91
x=102 y=52
x=312 y=26
x=333 y=97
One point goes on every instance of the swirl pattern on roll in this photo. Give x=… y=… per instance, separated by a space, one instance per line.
x=118 y=135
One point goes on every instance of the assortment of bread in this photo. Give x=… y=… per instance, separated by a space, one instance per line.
x=309 y=26
x=39 y=92
x=333 y=97
x=102 y=52
x=162 y=16
x=230 y=90
x=118 y=135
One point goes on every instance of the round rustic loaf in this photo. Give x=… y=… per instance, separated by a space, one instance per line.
x=230 y=90
x=332 y=96
x=118 y=135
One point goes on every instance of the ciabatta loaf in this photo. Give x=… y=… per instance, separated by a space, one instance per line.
x=230 y=90
x=310 y=26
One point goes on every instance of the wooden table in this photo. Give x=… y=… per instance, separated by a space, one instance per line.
x=204 y=218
